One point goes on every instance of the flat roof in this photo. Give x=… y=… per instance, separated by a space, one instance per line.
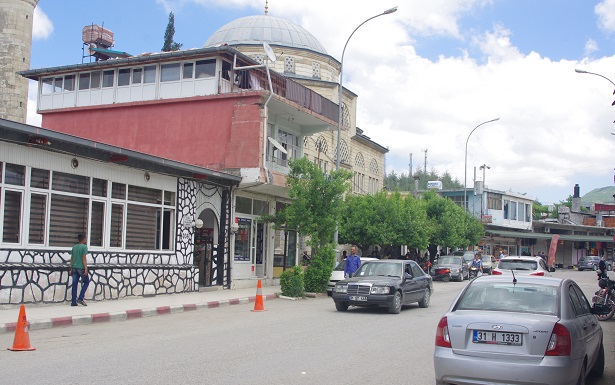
x=27 y=135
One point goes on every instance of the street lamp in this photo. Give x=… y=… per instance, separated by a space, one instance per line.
x=340 y=117
x=593 y=73
x=483 y=167
x=465 y=169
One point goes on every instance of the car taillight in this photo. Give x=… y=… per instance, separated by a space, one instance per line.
x=538 y=273
x=496 y=272
x=443 y=339
x=559 y=343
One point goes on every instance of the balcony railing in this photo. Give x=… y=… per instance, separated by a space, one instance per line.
x=256 y=79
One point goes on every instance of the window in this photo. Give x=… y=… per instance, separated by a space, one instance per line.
x=38 y=210
x=528 y=212
x=95 y=79
x=118 y=191
x=141 y=227
x=68 y=217
x=205 y=69
x=57 y=84
x=15 y=174
x=99 y=187
x=137 y=75
x=84 y=81
x=12 y=216
x=513 y=210
x=47 y=87
x=289 y=64
x=169 y=72
x=290 y=142
x=494 y=201
x=117 y=225
x=123 y=77
x=97 y=223
x=149 y=74
x=70 y=183
x=243 y=205
x=521 y=212
x=187 y=72
x=39 y=178
x=69 y=83
x=108 y=78
x=316 y=70
x=506 y=213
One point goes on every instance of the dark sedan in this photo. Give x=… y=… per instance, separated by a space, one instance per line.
x=385 y=283
x=450 y=267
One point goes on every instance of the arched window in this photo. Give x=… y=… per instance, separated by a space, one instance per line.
x=358 y=161
x=344 y=153
x=321 y=145
x=373 y=167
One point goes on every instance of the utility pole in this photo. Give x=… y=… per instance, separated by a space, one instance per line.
x=425 y=169
x=410 y=167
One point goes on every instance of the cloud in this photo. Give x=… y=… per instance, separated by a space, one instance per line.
x=32 y=117
x=606 y=14
x=591 y=46
x=42 y=26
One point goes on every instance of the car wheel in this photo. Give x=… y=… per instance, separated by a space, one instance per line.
x=460 y=279
x=395 y=306
x=446 y=278
x=425 y=301
x=581 y=379
x=341 y=306
x=580 y=269
x=595 y=267
x=598 y=368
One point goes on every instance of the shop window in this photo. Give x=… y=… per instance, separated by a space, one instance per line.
x=38 y=210
x=68 y=217
x=169 y=198
x=97 y=223
x=99 y=187
x=15 y=174
x=117 y=225
x=243 y=205
x=144 y=194
x=141 y=227
x=70 y=183
x=12 y=216
x=260 y=207
x=506 y=212
x=118 y=191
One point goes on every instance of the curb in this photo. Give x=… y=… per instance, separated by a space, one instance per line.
x=127 y=314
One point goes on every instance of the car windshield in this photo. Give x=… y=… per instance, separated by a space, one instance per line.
x=458 y=253
x=379 y=269
x=340 y=266
x=468 y=257
x=518 y=264
x=449 y=261
x=510 y=297
x=486 y=258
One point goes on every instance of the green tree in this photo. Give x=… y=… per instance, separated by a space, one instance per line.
x=314 y=212
x=539 y=210
x=169 y=33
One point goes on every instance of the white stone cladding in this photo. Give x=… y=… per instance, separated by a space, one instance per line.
x=15 y=44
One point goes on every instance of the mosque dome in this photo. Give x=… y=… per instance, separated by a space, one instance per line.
x=265 y=29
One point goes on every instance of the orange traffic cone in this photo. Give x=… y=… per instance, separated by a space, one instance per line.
x=258 y=303
x=22 y=338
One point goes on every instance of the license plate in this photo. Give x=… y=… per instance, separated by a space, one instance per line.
x=496 y=338
x=357 y=298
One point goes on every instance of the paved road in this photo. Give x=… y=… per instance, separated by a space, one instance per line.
x=298 y=342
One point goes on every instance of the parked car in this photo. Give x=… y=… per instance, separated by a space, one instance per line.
x=450 y=267
x=338 y=273
x=489 y=263
x=522 y=265
x=385 y=283
x=534 y=330
x=468 y=255
x=588 y=263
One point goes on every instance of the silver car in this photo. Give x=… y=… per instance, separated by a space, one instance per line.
x=535 y=330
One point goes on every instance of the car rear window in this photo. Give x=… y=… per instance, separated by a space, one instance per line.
x=526 y=298
x=449 y=260
x=517 y=264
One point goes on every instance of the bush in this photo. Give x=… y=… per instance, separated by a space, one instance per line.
x=319 y=270
x=291 y=281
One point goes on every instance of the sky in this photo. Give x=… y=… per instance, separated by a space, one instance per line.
x=428 y=76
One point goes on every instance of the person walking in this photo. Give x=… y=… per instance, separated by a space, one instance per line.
x=353 y=262
x=79 y=270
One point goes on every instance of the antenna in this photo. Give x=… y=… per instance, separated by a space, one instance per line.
x=269 y=52
x=425 y=170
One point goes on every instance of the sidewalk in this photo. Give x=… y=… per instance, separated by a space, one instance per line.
x=45 y=316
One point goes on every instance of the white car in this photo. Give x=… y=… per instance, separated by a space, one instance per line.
x=522 y=265
x=338 y=273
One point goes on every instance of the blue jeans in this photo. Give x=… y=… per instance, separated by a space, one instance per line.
x=85 y=281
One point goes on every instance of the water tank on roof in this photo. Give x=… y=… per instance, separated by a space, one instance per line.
x=95 y=34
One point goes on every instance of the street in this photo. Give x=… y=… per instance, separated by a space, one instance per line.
x=298 y=342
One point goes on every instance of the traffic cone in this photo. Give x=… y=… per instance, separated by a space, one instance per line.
x=258 y=303
x=22 y=338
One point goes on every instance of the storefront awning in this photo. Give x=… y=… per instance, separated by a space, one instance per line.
x=563 y=237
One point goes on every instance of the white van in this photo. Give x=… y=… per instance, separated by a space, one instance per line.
x=338 y=273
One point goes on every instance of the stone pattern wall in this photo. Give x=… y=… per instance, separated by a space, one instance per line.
x=15 y=44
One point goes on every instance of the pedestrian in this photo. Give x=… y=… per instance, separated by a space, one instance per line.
x=602 y=267
x=353 y=262
x=79 y=270
x=306 y=258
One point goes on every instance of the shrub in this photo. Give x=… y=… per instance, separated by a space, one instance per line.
x=291 y=281
x=319 y=270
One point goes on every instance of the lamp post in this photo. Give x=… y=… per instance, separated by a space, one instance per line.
x=465 y=168
x=340 y=117
x=593 y=73
x=483 y=167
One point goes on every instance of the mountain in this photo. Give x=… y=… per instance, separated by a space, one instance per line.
x=599 y=195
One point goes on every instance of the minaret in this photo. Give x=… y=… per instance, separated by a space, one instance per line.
x=15 y=47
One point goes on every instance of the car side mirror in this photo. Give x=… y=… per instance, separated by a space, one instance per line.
x=408 y=275
x=599 y=309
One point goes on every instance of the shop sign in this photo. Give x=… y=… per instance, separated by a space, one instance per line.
x=486 y=219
